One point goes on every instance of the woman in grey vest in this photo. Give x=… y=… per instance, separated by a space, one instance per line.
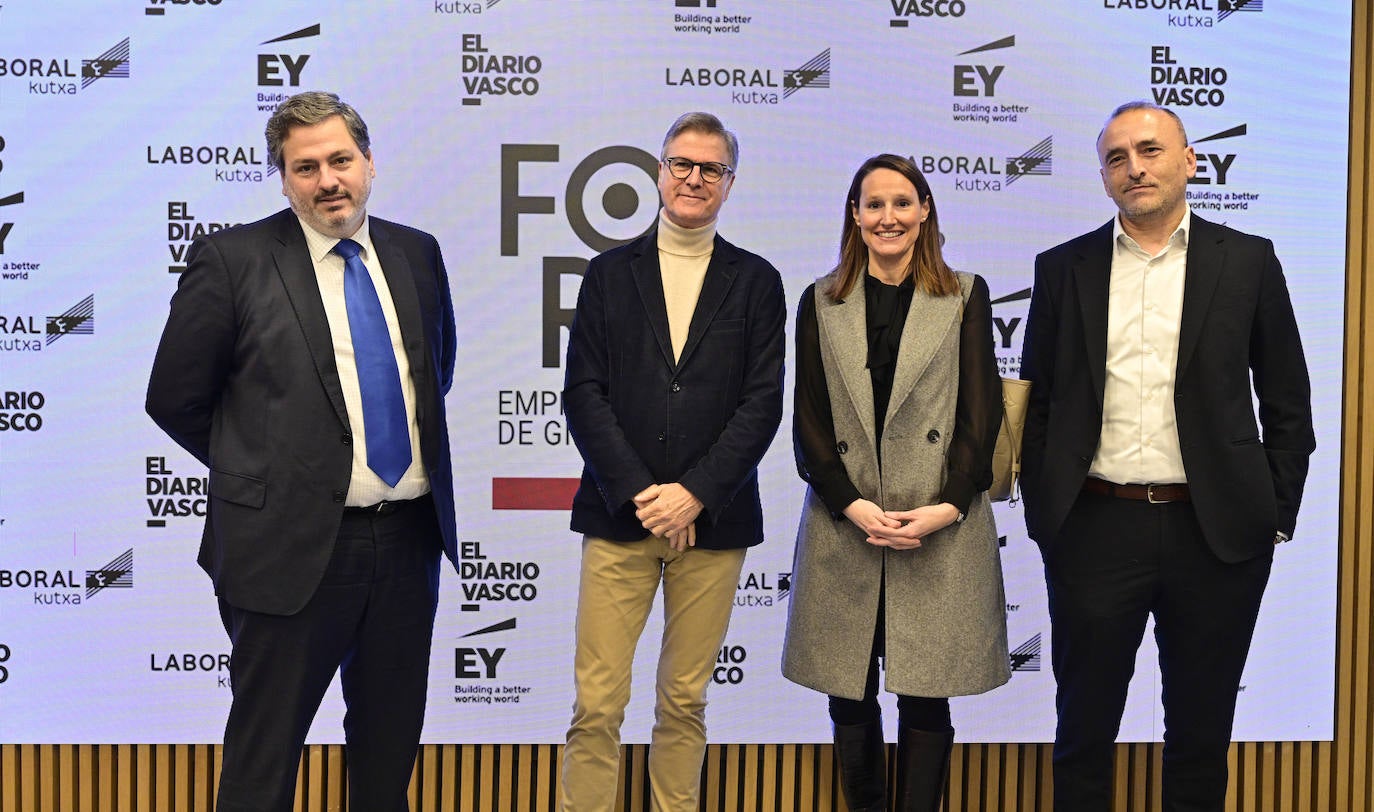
x=896 y=412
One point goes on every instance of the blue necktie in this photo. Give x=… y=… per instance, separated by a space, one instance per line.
x=384 y=408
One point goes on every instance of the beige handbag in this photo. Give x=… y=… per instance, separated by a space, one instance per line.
x=1006 y=455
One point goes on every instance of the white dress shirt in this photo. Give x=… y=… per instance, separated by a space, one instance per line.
x=1139 y=441
x=365 y=487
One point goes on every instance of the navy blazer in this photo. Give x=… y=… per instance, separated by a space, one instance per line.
x=1237 y=323
x=245 y=380
x=705 y=421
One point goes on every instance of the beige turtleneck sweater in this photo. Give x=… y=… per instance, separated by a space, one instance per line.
x=683 y=254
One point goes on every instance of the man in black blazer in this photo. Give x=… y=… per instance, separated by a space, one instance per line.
x=305 y=362
x=1147 y=482
x=673 y=394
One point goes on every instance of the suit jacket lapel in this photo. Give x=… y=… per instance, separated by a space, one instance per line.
x=1092 y=274
x=1206 y=256
x=720 y=275
x=927 y=323
x=649 y=282
x=844 y=329
x=297 y=271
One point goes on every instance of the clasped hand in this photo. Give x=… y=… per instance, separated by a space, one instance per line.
x=669 y=511
x=899 y=529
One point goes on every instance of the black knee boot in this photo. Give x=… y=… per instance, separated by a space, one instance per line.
x=862 y=756
x=922 y=768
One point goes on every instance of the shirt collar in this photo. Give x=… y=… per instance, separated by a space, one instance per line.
x=322 y=245
x=1121 y=239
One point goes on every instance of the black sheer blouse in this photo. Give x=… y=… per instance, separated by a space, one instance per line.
x=977 y=413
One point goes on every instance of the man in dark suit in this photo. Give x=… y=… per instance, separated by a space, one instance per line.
x=305 y=362
x=673 y=394
x=1147 y=482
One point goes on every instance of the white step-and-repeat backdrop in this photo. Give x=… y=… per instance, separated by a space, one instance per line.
x=523 y=133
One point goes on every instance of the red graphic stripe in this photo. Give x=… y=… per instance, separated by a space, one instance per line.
x=533 y=493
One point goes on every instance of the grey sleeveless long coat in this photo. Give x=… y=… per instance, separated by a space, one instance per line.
x=945 y=610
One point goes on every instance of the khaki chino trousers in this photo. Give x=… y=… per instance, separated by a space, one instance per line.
x=615 y=594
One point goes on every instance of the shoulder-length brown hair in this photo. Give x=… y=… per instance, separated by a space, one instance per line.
x=932 y=275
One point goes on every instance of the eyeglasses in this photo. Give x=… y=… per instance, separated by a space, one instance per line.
x=711 y=172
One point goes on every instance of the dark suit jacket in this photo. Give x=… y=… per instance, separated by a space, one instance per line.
x=1237 y=322
x=638 y=418
x=245 y=380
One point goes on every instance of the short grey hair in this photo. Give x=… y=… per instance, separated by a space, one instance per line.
x=306 y=110
x=1143 y=104
x=702 y=123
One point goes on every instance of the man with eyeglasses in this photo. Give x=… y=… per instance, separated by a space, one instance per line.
x=673 y=394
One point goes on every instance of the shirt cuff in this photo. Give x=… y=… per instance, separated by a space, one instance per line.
x=958 y=491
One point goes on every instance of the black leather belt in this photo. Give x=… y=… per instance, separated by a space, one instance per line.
x=1154 y=494
x=382 y=508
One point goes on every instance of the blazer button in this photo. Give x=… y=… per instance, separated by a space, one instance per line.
x=842 y=447
x=676 y=387
x=339 y=496
x=347 y=439
x=662 y=438
x=933 y=436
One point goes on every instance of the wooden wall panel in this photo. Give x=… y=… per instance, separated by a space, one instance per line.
x=1266 y=777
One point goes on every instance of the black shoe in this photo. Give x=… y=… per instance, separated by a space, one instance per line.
x=862 y=756
x=922 y=768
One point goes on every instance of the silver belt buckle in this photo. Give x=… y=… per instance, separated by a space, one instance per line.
x=1150 y=496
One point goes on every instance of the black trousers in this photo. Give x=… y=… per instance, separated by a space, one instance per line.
x=915 y=712
x=371 y=619
x=1115 y=562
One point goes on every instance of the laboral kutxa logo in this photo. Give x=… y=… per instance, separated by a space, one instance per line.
x=987 y=173
x=753 y=85
x=760 y=588
x=62 y=76
x=21 y=332
x=1188 y=13
x=1026 y=657
x=228 y=163
x=462 y=6
x=61 y=585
